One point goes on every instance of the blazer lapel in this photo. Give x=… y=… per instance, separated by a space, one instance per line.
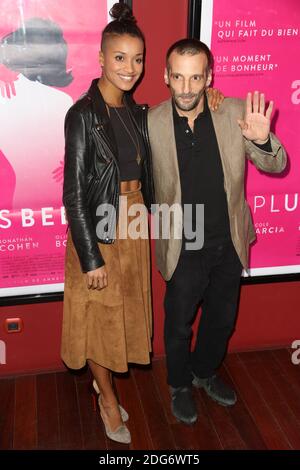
x=103 y=124
x=163 y=144
x=223 y=133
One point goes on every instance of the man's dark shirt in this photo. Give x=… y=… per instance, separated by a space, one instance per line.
x=201 y=174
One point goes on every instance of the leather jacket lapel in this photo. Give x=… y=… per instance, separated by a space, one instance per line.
x=102 y=122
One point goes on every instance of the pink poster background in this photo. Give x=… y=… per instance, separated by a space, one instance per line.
x=32 y=223
x=256 y=47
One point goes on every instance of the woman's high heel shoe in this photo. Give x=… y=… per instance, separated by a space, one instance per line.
x=121 y=434
x=124 y=414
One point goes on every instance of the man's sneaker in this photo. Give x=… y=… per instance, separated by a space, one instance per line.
x=183 y=405
x=216 y=389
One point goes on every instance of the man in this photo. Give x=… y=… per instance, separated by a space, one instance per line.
x=199 y=158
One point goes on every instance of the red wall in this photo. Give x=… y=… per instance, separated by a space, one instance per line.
x=268 y=314
x=268 y=317
x=36 y=347
x=163 y=22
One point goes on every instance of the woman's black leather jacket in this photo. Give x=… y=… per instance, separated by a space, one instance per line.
x=91 y=172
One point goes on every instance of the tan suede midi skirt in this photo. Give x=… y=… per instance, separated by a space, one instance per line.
x=111 y=326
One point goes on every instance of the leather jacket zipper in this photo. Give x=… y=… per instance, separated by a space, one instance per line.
x=98 y=132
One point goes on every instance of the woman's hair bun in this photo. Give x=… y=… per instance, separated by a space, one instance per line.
x=122 y=12
x=123 y=23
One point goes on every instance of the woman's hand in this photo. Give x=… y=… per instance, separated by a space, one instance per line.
x=214 y=98
x=97 y=279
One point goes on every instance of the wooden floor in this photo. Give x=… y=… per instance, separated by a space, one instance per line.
x=55 y=411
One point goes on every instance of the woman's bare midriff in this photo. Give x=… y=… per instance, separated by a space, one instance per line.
x=128 y=186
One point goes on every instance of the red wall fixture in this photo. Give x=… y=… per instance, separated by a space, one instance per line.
x=37 y=346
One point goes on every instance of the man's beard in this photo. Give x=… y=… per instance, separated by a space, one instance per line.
x=188 y=106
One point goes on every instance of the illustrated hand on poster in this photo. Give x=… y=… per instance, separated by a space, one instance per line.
x=7 y=82
x=58 y=173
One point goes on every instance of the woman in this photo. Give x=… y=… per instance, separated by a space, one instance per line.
x=107 y=303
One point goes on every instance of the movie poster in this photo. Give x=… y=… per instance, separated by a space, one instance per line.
x=48 y=57
x=256 y=47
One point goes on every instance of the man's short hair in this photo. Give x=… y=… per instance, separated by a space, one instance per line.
x=192 y=47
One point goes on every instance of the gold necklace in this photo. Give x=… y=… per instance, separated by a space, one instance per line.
x=136 y=144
